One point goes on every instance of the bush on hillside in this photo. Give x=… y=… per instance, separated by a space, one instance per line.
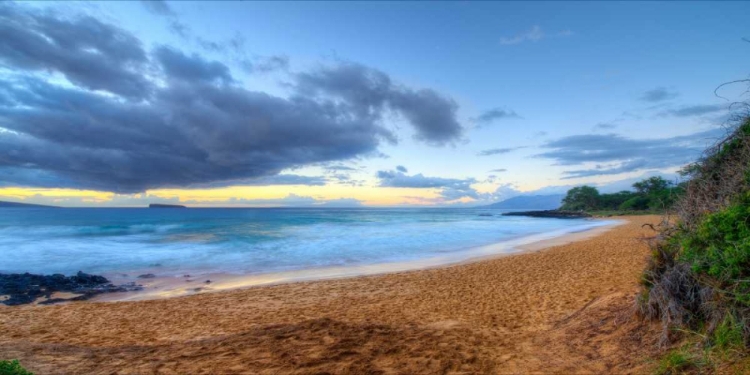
x=13 y=368
x=698 y=277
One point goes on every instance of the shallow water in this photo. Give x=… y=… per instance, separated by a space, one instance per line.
x=254 y=240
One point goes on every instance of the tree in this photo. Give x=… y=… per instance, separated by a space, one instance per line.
x=652 y=185
x=581 y=198
x=653 y=193
x=614 y=200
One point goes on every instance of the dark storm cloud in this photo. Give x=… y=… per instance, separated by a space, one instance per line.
x=494 y=114
x=432 y=115
x=658 y=94
x=89 y=53
x=189 y=134
x=615 y=154
x=197 y=127
x=178 y=65
x=695 y=110
x=159 y=7
x=279 y=179
x=370 y=91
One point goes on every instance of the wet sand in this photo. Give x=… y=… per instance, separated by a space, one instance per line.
x=160 y=286
x=556 y=308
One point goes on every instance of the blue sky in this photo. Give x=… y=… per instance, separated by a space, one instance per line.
x=553 y=81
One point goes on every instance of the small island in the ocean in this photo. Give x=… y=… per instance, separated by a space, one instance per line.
x=160 y=205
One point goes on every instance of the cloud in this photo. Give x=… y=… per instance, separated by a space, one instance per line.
x=694 y=110
x=142 y=200
x=86 y=51
x=178 y=65
x=176 y=120
x=401 y=168
x=504 y=191
x=189 y=134
x=450 y=188
x=498 y=151
x=266 y=64
x=499 y=170
x=534 y=34
x=180 y=29
x=233 y=47
x=275 y=180
x=341 y=174
x=658 y=94
x=339 y=168
x=370 y=91
x=490 y=116
x=614 y=154
x=292 y=200
x=158 y=7
x=605 y=126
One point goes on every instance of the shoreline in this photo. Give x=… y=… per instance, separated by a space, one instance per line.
x=189 y=285
x=559 y=307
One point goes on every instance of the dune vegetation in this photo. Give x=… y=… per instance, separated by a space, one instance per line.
x=697 y=282
x=12 y=368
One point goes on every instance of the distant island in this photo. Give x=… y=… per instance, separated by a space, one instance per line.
x=4 y=204
x=529 y=202
x=159 y=205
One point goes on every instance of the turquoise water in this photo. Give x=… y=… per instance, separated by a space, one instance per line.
x=249 y=241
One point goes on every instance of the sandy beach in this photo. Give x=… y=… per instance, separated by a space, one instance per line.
x=558 y=307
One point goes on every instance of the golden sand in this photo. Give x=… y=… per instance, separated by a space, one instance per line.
x=564 y=309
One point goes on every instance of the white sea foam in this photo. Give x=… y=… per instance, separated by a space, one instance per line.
x=254 y=241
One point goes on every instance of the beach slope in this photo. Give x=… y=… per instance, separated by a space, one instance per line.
x=562 y=309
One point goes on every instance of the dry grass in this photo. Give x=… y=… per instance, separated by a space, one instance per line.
x=694 y=282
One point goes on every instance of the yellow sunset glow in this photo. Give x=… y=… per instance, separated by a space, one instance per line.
x=368 y=195
x=25 y=193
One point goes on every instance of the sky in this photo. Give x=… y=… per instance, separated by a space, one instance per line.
x=316 y=104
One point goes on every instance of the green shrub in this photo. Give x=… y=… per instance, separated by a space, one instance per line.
x=676 y=362
x=720 y=246
x=728 y=335
x=635 y=203
x=12 y=368
x=698 y=278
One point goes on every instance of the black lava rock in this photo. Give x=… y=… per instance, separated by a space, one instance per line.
x=23 y=288
x=551 y=214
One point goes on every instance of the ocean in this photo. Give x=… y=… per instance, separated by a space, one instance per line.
x=255 y=240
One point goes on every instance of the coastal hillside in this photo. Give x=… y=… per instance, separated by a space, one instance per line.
x=696 y=283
